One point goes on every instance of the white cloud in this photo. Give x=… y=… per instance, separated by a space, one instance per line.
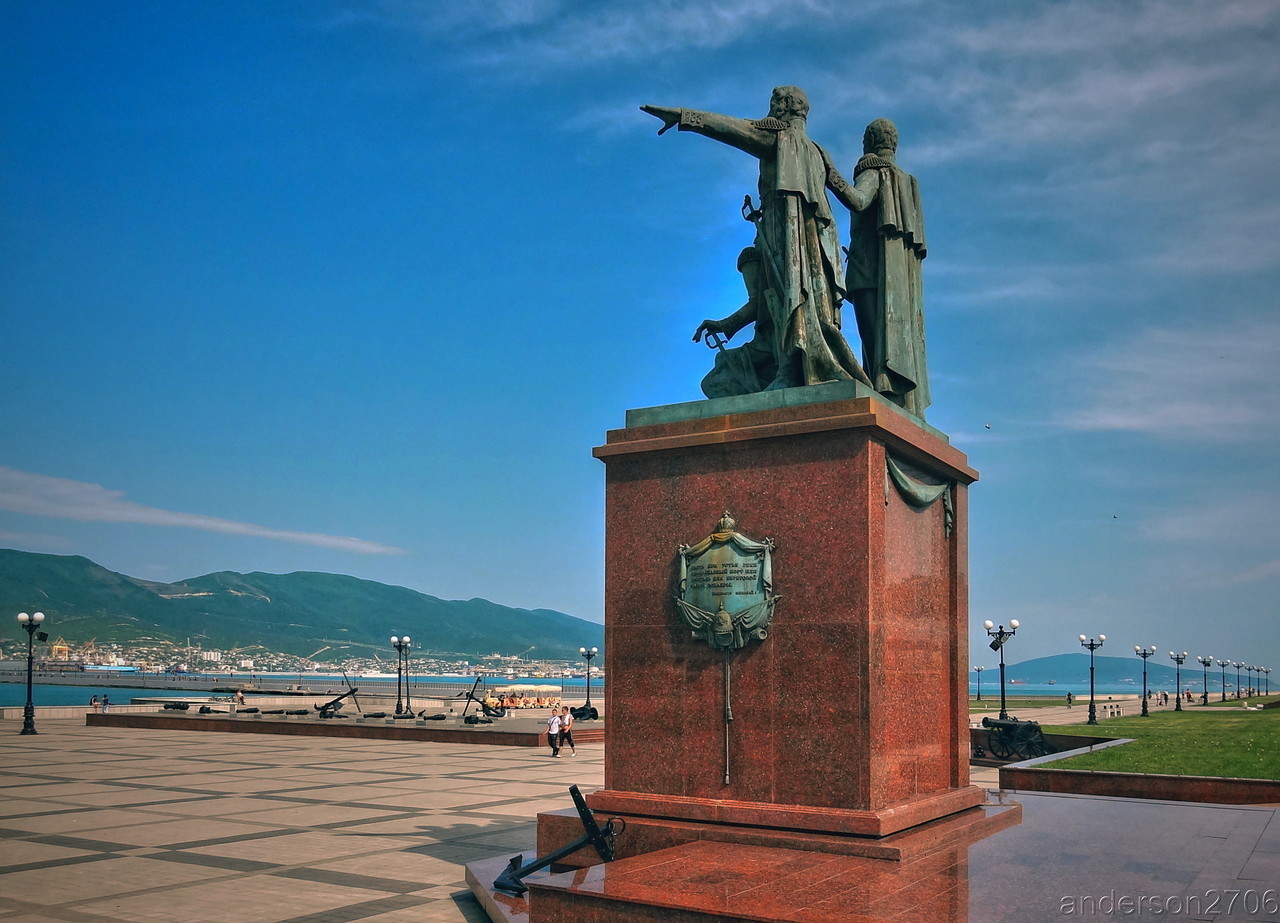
x=12 y=539
x=61 y=498
x=566 y=36
x=1217 y=382
x=1252 y=575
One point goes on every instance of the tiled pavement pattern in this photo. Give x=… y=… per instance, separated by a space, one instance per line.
x=106 y=824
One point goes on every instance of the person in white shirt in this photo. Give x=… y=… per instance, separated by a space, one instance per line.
x=566 y=730
x=553 y=733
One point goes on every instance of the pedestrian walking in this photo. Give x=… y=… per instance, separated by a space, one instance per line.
x=553 y=733
x=566 y=730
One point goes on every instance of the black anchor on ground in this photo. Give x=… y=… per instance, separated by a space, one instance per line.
x=601 y=838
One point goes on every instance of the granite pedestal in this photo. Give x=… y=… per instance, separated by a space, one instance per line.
x=851 y=716
x=849 y=732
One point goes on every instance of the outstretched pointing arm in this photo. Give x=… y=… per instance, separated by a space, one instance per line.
x=727 y=129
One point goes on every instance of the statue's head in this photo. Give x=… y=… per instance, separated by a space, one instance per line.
x=881 y=137
x=788 y=103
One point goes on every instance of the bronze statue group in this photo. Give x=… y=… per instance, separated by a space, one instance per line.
x=793 y=271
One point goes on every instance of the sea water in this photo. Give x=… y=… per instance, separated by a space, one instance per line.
x=46 y=691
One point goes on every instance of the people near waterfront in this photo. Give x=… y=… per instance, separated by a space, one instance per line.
x=1070 y=699
x=106 y=704
x=239 y=696
x=553 y=733
x=566 y=730
x=94 y=703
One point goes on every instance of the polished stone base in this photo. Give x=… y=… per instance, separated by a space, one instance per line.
x=1064 y=857
x=651 y=851
x=805 y=818
x=649 y=834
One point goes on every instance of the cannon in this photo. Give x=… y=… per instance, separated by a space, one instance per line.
x=1011 y=738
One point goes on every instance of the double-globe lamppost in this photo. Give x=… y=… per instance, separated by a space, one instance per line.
x=402 y=646
x=1093 y=645
x=1250 y=686
x=1239 y=691
x=998 y=637
x=1205 y=663
x=30 y=624
x=1179 y=659
x=1266 y=681
x=1145 y=653
x=1224 y=664
x=979 y=670
x=588 y=654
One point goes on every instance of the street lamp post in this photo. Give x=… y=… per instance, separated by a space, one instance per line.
x=1239 y=664
x=1093 y=645
x=402 y=662
x=30 y=624
x=1224 y=664
x=1179 y=659
x=1248 y=689
x=979 y=670
x=1205 y=664
x=1266 y=681
x=998 y=637
x=1145 y=653
x=588 y=654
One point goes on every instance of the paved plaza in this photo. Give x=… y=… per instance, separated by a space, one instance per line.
x=105 y=824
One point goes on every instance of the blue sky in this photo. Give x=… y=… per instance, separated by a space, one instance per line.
x=356 y=286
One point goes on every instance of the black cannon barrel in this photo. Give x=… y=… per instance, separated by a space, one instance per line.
x=1008 y=724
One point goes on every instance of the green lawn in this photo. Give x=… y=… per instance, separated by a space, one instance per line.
x=1197 y=742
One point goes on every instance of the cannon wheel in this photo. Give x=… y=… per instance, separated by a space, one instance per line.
x=1000 y=745
x=1038 y=746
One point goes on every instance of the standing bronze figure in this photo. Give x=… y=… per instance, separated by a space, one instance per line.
x=797 y=307
x=883 y=279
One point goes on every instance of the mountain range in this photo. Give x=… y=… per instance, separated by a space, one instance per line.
x=290 y=613
x=1074 y=668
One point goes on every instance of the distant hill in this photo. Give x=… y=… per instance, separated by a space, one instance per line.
x=1074 y=668
x=291 y=613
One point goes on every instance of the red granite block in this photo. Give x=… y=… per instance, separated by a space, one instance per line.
x=872 y=612
x=705 y=881
x=646 y=834
x=1207 y=789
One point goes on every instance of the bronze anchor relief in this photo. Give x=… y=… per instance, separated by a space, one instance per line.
x=726 y=598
